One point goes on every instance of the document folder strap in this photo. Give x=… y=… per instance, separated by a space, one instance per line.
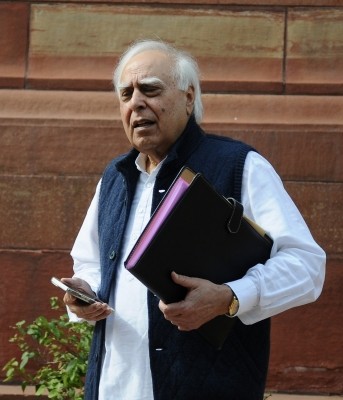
x=234 y=223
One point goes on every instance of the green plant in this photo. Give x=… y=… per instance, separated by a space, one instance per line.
x=54 y=355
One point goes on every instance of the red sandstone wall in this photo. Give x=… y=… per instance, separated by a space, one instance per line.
x=272 y=76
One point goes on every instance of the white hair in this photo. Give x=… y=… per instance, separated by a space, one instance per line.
x=186 y=70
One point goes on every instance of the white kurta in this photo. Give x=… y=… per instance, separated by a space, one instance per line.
x=293 y=276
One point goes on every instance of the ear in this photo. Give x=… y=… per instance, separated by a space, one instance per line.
x=190 y=100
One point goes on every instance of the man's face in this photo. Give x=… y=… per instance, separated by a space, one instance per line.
x=153 y=110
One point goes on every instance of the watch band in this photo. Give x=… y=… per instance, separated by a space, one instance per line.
x=233 y=306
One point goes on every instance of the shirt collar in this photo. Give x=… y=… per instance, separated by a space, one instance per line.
x=141 y=163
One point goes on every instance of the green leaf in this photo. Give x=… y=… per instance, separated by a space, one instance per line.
x=40 y=389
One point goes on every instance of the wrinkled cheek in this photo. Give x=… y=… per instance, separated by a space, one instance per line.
x=125 y=115
x=128 y=133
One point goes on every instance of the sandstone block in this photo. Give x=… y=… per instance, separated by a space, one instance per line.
x=314 y=51
x=300 y=135
x=305 y=354
x=320 y=204
x=47 y=212
x=14 y=20
x=76 y=46
x=43 y=212
x=298 y=3
x=25 y=293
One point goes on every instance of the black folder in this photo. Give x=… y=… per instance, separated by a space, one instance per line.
x=203 y=235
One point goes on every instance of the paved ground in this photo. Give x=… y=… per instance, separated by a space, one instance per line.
x=279 y=396
x=7 y=390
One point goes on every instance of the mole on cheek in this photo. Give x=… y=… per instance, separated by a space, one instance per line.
x=163 y=110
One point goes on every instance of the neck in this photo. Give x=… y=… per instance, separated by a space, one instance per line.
x=150 y=164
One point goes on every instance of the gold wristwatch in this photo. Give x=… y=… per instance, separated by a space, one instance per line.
x=234 y=306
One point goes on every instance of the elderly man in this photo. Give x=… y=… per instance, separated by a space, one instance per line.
x=147 y=349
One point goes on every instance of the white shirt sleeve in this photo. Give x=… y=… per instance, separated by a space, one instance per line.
x=85 y=251
x=294 y=275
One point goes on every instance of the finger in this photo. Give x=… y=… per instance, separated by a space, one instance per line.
x=93 y=312
x=170 y=310
x=162 y=306
x=96 y=312
x=73 y=282
x=184 y=325
x=68 y=299
x=78 y=284
x=184 y=280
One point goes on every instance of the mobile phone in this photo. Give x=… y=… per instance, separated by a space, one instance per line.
x=85 y=297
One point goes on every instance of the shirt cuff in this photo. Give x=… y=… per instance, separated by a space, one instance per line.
x=74 y=318
x=246 y=293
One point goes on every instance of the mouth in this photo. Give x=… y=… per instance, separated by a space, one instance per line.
x=142 y=123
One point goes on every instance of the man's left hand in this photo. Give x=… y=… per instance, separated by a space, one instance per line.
x=203 y=302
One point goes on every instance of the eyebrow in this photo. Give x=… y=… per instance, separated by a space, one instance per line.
x=154 y=81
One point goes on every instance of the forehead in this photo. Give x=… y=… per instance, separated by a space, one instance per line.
x=146 y=65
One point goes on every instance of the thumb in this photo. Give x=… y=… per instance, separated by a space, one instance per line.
x=183 y=280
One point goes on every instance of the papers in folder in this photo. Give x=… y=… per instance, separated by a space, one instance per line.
x=169 y=201
x=189 y=233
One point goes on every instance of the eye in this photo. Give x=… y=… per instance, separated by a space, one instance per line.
x=150 y=90
x=126 y=94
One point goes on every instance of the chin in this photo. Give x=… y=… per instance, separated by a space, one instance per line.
x=144 y=144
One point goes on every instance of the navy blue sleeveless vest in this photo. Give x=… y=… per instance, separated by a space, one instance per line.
x=183 y=365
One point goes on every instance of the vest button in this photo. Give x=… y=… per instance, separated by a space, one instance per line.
x=113 y=255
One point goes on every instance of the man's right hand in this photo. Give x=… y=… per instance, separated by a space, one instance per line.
x=89 y=312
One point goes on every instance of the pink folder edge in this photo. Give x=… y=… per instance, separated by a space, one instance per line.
x=157 y=220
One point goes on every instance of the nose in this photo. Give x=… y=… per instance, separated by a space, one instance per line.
x=137 y=100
